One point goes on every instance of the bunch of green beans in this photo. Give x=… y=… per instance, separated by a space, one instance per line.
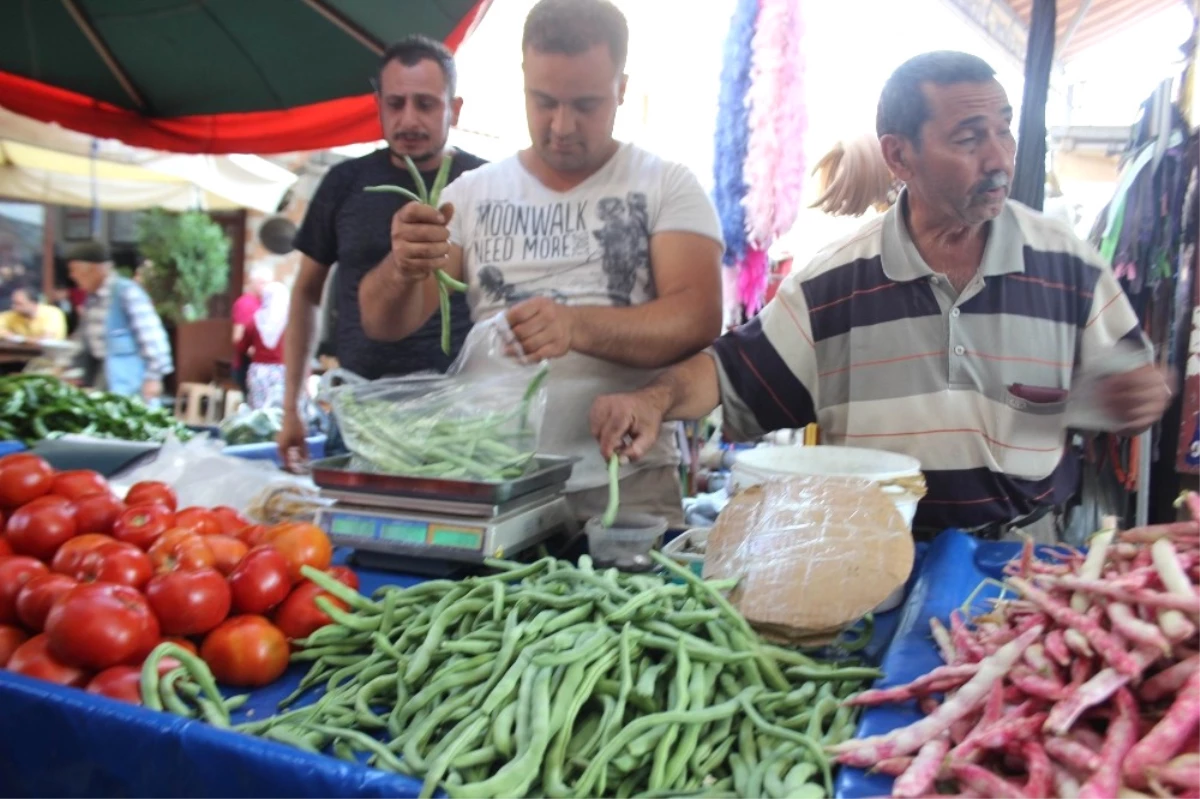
x=421 y=442
x=431 y=196
x=548 y=679
x=187 y=690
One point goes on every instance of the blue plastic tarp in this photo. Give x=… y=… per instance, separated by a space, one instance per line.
x=950 y=573
x=57 y=741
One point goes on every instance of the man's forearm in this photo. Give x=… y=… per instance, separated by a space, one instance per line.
x=687 y=391
x=393 y=309
x=656 y=334
x=298 y=343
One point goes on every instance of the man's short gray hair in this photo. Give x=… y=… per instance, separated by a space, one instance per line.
x=903 y=108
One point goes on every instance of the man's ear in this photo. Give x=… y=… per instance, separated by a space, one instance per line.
x=898 y=153
x=455 y=110
x=621 y=89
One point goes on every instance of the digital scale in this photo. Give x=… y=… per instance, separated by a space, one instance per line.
x=434 y=526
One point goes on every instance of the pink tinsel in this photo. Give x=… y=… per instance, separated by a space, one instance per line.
x=774 y=169
x=752 y=280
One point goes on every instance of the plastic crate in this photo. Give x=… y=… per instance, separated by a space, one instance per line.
x=9 y=447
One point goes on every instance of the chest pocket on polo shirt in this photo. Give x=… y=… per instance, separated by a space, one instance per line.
x=1028 y=430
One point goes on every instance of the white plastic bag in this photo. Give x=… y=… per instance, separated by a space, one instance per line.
x=202 y=475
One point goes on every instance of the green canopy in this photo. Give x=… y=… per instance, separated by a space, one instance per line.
x=93 y=64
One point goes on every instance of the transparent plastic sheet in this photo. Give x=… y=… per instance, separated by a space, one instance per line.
x=813 y=554
x=480 y=421
x=202 y=474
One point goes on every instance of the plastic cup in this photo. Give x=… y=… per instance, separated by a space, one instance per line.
x=627 y=544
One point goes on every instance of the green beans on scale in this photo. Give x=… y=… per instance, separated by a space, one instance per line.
x=430 y=196
x=549 y=679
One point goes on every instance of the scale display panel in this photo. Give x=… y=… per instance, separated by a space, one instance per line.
x=359 y=526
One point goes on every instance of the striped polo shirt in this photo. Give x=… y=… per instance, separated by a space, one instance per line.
x=878 y=349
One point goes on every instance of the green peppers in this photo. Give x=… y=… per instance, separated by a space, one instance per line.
x=37 y=407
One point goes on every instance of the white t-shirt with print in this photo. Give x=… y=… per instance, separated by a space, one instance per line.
x=586 y=246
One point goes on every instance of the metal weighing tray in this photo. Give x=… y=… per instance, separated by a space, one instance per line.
x=332 y=473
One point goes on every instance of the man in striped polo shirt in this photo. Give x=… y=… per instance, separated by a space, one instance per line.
x=951 y=329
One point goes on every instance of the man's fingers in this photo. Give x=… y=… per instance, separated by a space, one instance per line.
x=528 y=327
x=613 y=430
x=534 y=337
x=520 y=313
x=420 y=233
x=640 y=445
x=419 y=212
x=447 y=210
x=412 y=251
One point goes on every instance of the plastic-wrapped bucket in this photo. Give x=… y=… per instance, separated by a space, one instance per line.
x=898 y=475
x=887 y=468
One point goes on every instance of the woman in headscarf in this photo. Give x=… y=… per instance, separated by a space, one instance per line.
x=262 y=346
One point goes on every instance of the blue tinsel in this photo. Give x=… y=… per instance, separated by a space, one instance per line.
x=733 y=130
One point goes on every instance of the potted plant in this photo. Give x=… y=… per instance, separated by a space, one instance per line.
x=187 y=264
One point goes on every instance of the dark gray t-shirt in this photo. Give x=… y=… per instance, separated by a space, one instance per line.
x=349 y=227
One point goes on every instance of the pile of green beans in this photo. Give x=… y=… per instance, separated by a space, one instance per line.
x=550 y=679
x=425 y=442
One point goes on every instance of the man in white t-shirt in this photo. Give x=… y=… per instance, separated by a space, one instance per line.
x=605 y=257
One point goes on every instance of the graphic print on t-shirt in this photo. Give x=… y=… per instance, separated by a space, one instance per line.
x=558 y=233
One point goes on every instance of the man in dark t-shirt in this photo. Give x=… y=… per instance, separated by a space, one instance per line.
x=344 y=225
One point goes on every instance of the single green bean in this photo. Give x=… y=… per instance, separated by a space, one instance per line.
x=441 y=765
x=614 y=491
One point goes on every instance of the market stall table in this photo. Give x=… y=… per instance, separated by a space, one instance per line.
x=58 y=741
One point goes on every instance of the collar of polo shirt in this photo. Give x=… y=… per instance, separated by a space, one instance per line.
x=1003 y=255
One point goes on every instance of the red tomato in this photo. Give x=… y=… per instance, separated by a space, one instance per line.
x=15 y=572
x=35 y=599
x=5 y=547
x=230 y=520
x=252 y=534
x=299 y=616
x=97 y=513
x=260 y=581
x=198 y=520
x=10 y=638
x=181 y=549
x=100 y=625
x=344 y=575
x=189 y=602
x=301 y=544
x=227 y=550
x=40 y=527
x=246 y=651
x=117 y=563
x=150 y=492
x=79 y=484
x=34 y=659
x=23 y=477
x=66 y=559
x=142 y=525
x=118 y=682
x=183 y=643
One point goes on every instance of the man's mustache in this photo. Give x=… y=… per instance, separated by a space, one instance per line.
x=995 y=180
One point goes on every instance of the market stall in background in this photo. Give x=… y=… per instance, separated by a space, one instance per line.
x=424 y=613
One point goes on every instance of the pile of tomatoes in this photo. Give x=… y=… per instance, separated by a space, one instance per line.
x=90 y=583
